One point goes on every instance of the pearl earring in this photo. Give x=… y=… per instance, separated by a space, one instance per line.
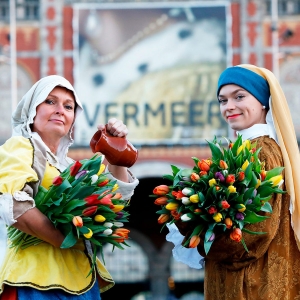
x=263 y=107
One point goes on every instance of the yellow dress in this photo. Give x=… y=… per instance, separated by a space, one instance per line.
x=42 y=266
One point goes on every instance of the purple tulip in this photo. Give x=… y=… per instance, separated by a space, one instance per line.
x=239 y=216
x=220 y=176
x=254 y=193
x=249 y=201
x=80 y=174
x=119 y=215
x=212 y=237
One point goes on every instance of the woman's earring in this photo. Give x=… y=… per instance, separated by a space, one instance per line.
x=263 y=107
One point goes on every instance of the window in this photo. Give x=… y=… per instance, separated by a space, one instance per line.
x=25 y=10
x=285 y=7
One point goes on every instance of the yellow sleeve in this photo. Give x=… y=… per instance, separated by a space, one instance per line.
x=16 y=161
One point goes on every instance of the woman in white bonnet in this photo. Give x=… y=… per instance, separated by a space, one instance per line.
x=35 y=154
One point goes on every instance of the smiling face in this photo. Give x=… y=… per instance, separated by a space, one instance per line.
x=239 y=108
x=55 y=116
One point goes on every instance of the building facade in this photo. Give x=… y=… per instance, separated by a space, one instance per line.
x=46 y=45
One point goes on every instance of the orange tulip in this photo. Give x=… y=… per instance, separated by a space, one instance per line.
x=228 y=223
x=163 y=218
x=223 y=165
x=161 y=201
x=204 y=165
x=195 y=177
x=77 y=221
x=194 y=241
x=123 y=232
x=161 y=190
x=236 y=235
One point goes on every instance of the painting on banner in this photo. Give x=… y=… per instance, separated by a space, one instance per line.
x=153 y=65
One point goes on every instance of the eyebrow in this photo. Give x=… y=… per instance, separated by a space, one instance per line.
x=234 y=92
x=69 y=100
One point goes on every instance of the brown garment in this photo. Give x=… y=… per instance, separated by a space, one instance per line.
x=271 y=268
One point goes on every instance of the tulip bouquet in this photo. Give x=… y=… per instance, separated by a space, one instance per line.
x=220 y=195
x=83 y=204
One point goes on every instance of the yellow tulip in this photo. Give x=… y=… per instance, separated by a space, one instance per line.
x=247 y=144
x=99 y=218
x=258 y=183
x=231 y=189
x=276 y=180
x=245 y=165
x=101 y=169
x=242 y=208
x=217 y=217
x=115 y=187
x=194 y=198
x=89 y=234
x=240 y=149
x=117 y=208
x=212 y=182
x=171 y=206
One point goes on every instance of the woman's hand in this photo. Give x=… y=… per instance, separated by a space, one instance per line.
x=117 y=128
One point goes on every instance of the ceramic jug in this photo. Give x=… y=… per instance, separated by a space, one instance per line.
x=117 y=150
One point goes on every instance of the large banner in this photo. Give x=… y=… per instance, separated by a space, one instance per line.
x=153 y=65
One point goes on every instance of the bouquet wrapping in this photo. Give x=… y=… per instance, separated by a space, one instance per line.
x=83 y=204
x=220 y=195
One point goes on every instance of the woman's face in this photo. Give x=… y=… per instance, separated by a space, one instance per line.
x=239 y=108
x=55 y=116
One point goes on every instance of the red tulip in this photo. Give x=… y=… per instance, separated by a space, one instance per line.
x=178 y=195
x=230 y=179
x=92 y=200
x=176 y=215
x=225 y=204
x=75 y=168
x=241 y=176
x=57 y=181
x=89 y=211
x=104 y=182
x=212 y=210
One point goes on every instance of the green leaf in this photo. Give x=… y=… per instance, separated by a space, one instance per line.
x=63 y=187
x=274 y=172
x=265 y=191
x=175 y=169
x=72 y=204
x=251 y=217
x=207 y=243
x=168 y=177
x=267 y=207
x=69 y=241
x=83 y=230
x=248 y=194
x=217 y=154
x=196 y=160
x=252 y=232
x=244 y=244
x=197 y=230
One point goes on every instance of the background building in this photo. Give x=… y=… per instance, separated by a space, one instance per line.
x=154 y=64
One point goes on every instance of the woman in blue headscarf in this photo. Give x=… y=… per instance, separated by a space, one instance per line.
x=253 y=104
